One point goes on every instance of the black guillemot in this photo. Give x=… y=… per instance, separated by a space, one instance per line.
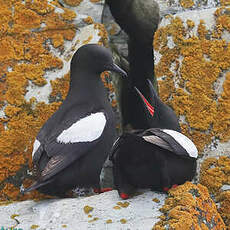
x=73 y=144
x=159 y=157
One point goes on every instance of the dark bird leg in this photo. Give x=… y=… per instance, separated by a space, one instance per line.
x=124 y=188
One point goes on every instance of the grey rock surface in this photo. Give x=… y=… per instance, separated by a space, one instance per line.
x=141 y=213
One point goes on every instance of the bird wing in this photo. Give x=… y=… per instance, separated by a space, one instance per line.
x=171 y=140
x=60 y=161
x=70 y=144
x=158 y=141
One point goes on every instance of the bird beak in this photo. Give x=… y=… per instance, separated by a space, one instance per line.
x=147 y=105
x=115 y=68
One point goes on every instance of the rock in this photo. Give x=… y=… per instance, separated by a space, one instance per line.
x=215 y=175
x=37 y=42
x=189 y=206
x=192 y=66
x=191 y=203
x=104 y=211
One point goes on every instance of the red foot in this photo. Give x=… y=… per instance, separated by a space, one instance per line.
x=98 y=190
x=165 y=189
x=106 y=190
x=175 y=185
x=124 y=196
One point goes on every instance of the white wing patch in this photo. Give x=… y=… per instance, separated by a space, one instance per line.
x=35 y=147
x=184 y=141
x=86 y=129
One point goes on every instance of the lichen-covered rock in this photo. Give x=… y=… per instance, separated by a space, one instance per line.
x=192 y=65
x=189 y=207
x=169 y=6
x=104 y=211
x=37 y=41
x=215 y=175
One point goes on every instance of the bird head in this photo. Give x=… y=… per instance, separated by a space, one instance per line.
x=157 y=114
x=95 y=59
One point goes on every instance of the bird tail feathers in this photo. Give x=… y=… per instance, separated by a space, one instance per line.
x=34 y=186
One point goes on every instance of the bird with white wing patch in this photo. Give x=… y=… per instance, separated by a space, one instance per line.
x=158 y=156
x=71 y=147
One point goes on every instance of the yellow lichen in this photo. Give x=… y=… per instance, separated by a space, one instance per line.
x=225 y=2
x=109 y=221
x=198 y=62
x=24 y=58
x=117 y=207
x=88 y=20
x=190 y=23
x=73 y=2
x=87 y=40
x=102 y=34
x=156 y=200
x=187 y=3
x=224 y=210
x=60 y=87
x=215 y=173
x=124 y=204
x=188 y=207
x=68 y=14
x=94 y=219
x=34 y=226
x=123 y=221
x=13 y=216
x=94 y=1
x=57 y=40
x=87 y=209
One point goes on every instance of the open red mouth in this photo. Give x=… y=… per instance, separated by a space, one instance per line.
x=149 y=106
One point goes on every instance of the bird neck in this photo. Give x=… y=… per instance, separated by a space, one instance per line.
x=87 y=87
x=141 y=64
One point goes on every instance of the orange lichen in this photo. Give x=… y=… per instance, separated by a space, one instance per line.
x=195 y=64
x=189 y=206
x=68 y=14
x=57 y=40
x=225 y=2
x=224 y=210
x=73 y=2
x=102 y=34
x=214 y=174
x=87 y=209
x=190 y=23
x=60 y=87
x=187 y=3
x=88 y=20
x=25 y=57
x=94 y=1
x=87 y=40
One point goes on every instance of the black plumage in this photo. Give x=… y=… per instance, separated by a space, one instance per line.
x=139 y=19
x=157 y=157
x=72 y=145
x=153 y=113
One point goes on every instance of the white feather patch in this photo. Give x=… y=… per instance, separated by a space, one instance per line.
x=86 y=129
x=35 y=147
x=184 y=141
